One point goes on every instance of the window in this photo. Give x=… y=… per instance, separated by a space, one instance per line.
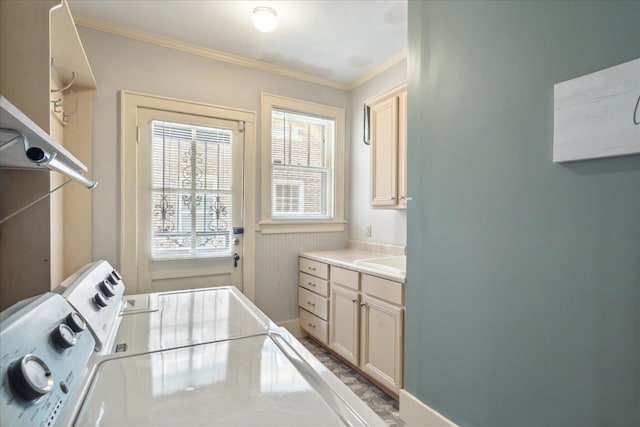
x=191 y=190
x=303 y=177
x=302 y=150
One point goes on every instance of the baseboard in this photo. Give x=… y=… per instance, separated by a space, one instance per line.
x=293 y=326
x=416 y=414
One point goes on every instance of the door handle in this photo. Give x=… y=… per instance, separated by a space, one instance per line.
x=236 y=258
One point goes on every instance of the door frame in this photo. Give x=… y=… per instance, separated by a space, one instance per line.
x=130 y=210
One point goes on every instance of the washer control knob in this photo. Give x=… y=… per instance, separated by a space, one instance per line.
x=30 y=377
x=112 y=279
x=100 y=300
x=63 y=336
x=107 y=289
x=75 y=322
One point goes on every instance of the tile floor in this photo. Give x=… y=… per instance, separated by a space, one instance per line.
x=382 y=404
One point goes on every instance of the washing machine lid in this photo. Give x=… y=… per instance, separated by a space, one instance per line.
x=252 y=381
x=169 y=320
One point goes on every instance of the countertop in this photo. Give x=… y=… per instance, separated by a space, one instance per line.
x=346 y=258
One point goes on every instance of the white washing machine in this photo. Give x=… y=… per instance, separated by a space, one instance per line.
x=87 y=355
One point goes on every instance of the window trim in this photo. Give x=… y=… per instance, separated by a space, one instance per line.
x=267 y=224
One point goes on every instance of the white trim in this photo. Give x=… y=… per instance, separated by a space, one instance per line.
x=379 y=69
x=279 y=227
x=415 y=413
x=293 y=326
x=130 y=33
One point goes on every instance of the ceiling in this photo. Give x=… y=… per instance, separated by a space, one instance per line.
x=337 y=40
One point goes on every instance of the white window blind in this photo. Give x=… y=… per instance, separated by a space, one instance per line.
x=191 y=190
x=302 y=165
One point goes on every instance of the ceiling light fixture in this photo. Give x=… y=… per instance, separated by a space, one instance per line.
x=264 y=19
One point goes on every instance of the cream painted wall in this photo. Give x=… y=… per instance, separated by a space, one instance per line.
x=387 y=225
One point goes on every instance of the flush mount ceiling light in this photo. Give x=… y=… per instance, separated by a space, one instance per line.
x=264 y=19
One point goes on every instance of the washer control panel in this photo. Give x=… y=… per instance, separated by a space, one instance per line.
x=96 y=293
x=45 y=349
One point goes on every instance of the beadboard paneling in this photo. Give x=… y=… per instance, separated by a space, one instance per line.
x=277 y=269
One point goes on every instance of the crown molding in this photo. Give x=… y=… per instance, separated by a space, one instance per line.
x=378 y=70
x=218 y=55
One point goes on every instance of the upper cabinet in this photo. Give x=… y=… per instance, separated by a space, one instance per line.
x=388 y=133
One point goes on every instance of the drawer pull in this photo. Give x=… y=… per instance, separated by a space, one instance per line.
x=312 y=268
x=313 y=304
x=312 y=284
x=311 y=325
x=362 y=304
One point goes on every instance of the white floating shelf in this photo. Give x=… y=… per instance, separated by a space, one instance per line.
x=12 y=155
x=597 y=115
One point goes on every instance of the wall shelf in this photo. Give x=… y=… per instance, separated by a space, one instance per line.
x=597 y=115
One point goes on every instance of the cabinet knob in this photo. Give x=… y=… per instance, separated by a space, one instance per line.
x=311 y=284
x=311 y=325
x=354 y=300
x=311 y=303
x=312 y=268
x=362 y=304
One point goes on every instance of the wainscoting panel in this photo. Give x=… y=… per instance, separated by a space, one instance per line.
x=277 y=269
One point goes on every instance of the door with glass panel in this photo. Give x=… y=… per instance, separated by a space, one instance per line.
x=190 y=200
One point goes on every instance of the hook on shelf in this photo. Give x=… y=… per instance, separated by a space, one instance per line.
x=57 y=104
x=66 y=116
x=57 y=108
x=68 y=86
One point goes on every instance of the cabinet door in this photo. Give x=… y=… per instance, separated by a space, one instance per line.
x=344 y=322
x=384 y=152
x=382 y=341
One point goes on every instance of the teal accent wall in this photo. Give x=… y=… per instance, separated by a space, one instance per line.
x=523 y=293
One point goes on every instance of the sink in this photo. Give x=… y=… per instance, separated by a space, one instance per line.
x=391 y=264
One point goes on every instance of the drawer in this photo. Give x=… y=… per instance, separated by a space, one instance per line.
x=318 y=269
x=383 y=289
x=314 y=326
x=313 y=303
x=314 y=284
x=344 y=277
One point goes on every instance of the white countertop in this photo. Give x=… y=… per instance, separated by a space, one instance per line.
x=346 y=258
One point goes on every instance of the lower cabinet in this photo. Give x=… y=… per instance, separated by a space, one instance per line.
x=313 y=303
x=366 y=326
x=358 y=316
x=381 y=341
x=344 y=323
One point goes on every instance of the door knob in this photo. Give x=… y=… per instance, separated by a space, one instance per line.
x=236 y=257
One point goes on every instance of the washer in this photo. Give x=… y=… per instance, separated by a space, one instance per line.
x=188 y=358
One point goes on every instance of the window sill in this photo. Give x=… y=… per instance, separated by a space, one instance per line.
x=278 y=227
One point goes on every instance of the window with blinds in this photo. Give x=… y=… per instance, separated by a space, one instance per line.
x=302 y=166
x=191 y=191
